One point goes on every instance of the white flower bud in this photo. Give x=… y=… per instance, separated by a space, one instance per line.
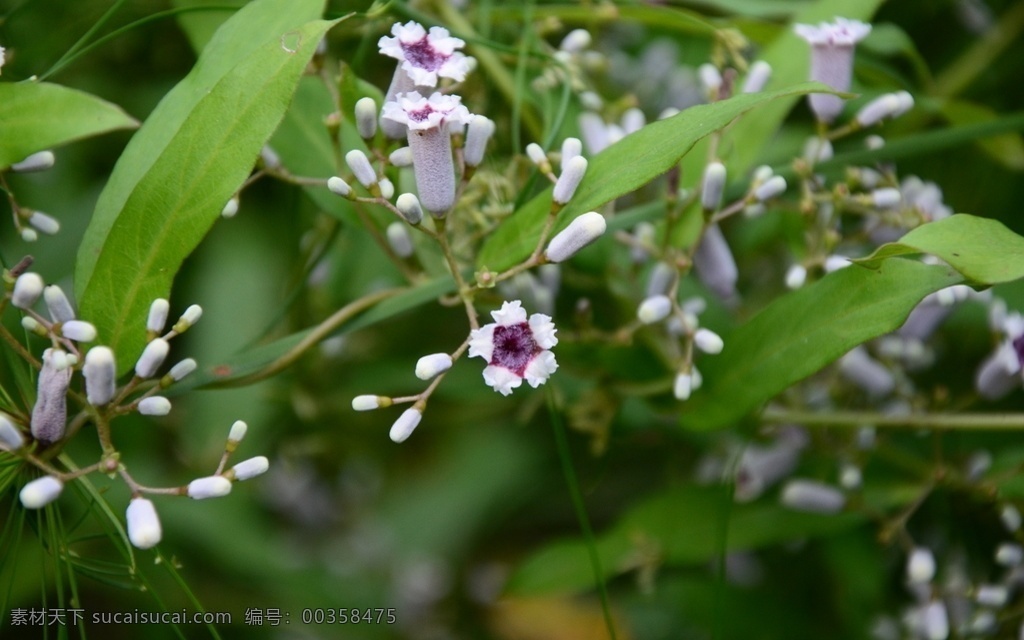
x=430 y=366
x=238 y=431
x=387 y=188
x=570 y=179
x=817 y=149
x=399 y=239
x=654 y=309
x=38 y=161
x=478 y=134
x=339 y=187
x=920 y=566
x=40 y=492
x=230 y=208
x=592 y=101
x=143 y=524
x=1009 y=554
x=867 y=373
x=581 y=232
x=762 y=173
x=935 y=621
x=209 y=487
x=187 y=319
x=811 y=496
x=538 y=157
x=771 y=188
x=874 y=142
x=661 y=278
x=361 y=168
x=152 y=357
x=270 y=158
x=27 y=289
x=712 y=186
x=667 y=113
x=906 y=103
x=594 y=131
x=1010 y=517
x=401 y=157
x=571 y=147
x=10 y=437
x=992 y=595
x=406 y=423
x=366 y=118
x=157 y=315
x=100 y=374
x=250 y=468
x=29 y=235
x=884 y=106
x=645 y=235
x=575 y=41
x=58 y=305
x=836 y=262
x=850 y=477
x=182 y=369
x=367 y=403
x=757 y=77
x=708 y=341
x=155 y=406
x=633 y=120
x=698 y=379
x=32 y=325
x=44 y=223
x=886 y=198
x=409 y=206
x=683 y=386
x=60 y=360
x=710 y=77
x=78 y=330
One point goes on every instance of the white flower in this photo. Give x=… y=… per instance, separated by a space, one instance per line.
x=831 y=60
x=515 y=348
x=425 y=56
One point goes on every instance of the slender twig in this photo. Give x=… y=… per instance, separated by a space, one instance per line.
x=854 y=419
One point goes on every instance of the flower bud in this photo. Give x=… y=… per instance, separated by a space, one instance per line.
x=27 y=289
x=78 y=330
x=401 y=157
x=387 y=188
x=32 y=325
x=49 y=414
x=143 y=524
x=817 y=150
x=269 y=158
x=209 y=487
x=1010 y=517
x=811 y=496
x=478 y=134
x=771 y=188
x=920 y=566
x=100 y=373
x=181 y=369
x=339 y=187
x=661 y=278
x=29 y=235
x=538 y=157
x=906 y=103
x=683 y=386
x=230 y=208
x=710 y=77
x=187 y=319
x=39 y=161
x=430 y=366
x=40 y=492
x=250 y=468
x=570 y=179
x=935 y=621
x=405 y=425
x=581 y=232
x=874 y=142
x=44 y=223
x=882 y=107
x=157 y=319
x=152 y=357
x=715 y=264
x=154 y=406
x=708 y=341
x=1009 y=554
x=633 y=120
x=886 y=198
x=361 y=168
x=57 y=304
x=571 y=147
x=757 y=77
x=575 y=41
x=654 y=309
x=867 y=373
x=712 y=186
x=366 y=118
x=399 y=239
x=238 y=431
x=992 y=595
x=594 y=131
x=10 y=436
x=369 y=402
x=409 y=206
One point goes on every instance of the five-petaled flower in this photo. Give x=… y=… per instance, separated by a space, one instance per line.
x=425 y=56
x=515 y=348
x=831 y=60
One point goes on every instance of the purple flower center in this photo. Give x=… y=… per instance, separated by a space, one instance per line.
x=1018 y=346
x=420 y=115
x=514 y=347
x=423 y=55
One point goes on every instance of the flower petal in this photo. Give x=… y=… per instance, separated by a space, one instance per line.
x=501 y=379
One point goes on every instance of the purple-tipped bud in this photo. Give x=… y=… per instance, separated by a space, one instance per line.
x=157 y=319
x=582 y=231
x=209 y=487
x=654 y=309
x=399 y=239
x=882 y=107
x=478 y=134
x=58 y=305
x=771 y=188
x=49 y=414
x=143 y=524
x=361 y=168
x=405 y=425
x=570 y=179
x=27 y=290
x=811 y=496
x=155 y=406
x=712 y=186
x=401 y=157
x=78 y=330
x=39 y=161
x=100 y=374
x=366 y=118
x=409 y=206
x=433 y=365
x=10 y=437
x=758 y=76
x=571 y=147
x=44 y=223
x=339 y=187
x=152 y=357
x=40 y=492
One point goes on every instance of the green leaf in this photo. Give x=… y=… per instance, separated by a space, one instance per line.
x=190 y=157
x=36 y=116
x=678 y=527
x=805 y=330
x=1006 y=148
x=622 y=168
x=984 y=251
x=200 y=26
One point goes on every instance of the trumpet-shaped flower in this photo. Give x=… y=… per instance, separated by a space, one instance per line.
x=832 y=60
x=515 y=348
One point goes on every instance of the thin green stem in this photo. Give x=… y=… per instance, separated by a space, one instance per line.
x=854 y=419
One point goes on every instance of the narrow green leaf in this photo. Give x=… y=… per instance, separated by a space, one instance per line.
x=175 y=202
x=1006 y=148
x=624 y=167
x=805 y=330
x=200 y=26
x=984 y=251
x=35 y=116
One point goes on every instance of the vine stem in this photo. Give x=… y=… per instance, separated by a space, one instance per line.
x=965 y=421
